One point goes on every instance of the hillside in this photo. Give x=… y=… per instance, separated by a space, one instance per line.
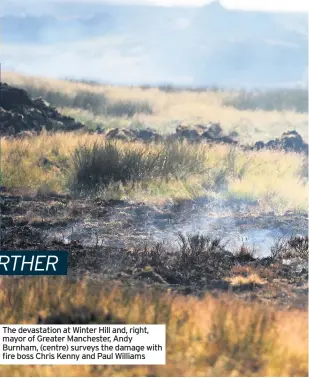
x=254 y=116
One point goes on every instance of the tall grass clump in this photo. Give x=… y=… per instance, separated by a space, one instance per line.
x=100 y=164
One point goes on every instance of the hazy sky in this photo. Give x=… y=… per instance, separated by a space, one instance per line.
x=266 y=5
x=270 y=5
x=152 y=47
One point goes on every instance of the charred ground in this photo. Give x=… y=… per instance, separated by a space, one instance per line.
x=187 y=263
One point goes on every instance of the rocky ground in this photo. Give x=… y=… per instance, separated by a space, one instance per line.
x=125 y=249
x=22 y=116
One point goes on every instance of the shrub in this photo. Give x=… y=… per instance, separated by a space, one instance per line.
x=96 y=165
x=101 y=164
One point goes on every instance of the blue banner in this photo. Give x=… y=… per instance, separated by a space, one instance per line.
x=33 y=263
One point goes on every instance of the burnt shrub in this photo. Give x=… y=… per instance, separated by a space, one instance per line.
x=295 y=247
x=245 y=254
x=198 y=252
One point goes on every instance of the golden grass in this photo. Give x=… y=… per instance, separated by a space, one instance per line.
x=272 y=178
x=185 y=106
x=253 y=278
x=207 y=337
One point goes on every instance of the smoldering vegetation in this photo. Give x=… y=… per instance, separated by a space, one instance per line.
x=196 y=258
x=194 y=264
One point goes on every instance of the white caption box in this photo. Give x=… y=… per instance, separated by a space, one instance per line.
x=83 y=344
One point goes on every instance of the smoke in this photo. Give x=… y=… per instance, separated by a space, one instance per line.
x=235 y=224
x=109 y=59
x=179 y=45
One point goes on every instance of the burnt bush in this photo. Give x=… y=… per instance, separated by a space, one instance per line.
x=295 y=247
x=245 y=254
x=196 y=249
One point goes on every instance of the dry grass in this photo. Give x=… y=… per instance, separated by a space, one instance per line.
x=207 y=337
x=170 y=108
x=251 y=279
x=274 y=179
